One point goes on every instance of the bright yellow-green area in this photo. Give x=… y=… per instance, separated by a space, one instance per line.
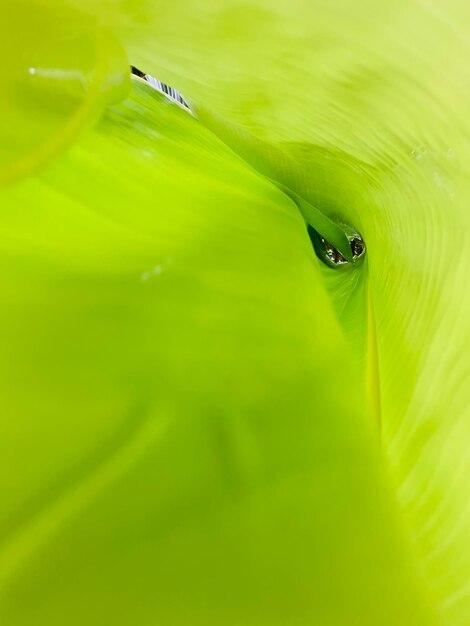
x=59 y=71
x=190 y=398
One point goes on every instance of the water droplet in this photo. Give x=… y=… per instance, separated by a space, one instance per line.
x=332 y=257
x=419 y=153
x=155 y=271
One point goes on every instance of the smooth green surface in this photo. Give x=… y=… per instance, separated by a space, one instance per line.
x=59 y=71
x=190 y=397
x=280 y=169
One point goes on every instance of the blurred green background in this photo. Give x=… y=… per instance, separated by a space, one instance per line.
x=202 y=424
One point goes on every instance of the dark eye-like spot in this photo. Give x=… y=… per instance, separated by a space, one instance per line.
x=357 y=246
x=331 y=256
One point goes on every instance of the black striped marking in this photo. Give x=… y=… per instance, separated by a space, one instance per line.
x=166 y=90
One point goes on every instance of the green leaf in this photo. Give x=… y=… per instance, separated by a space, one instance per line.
x=377 y=96
x=191 y=438
x=191 y=396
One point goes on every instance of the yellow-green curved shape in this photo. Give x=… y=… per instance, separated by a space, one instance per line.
x=202 y=424
x=59 y=71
